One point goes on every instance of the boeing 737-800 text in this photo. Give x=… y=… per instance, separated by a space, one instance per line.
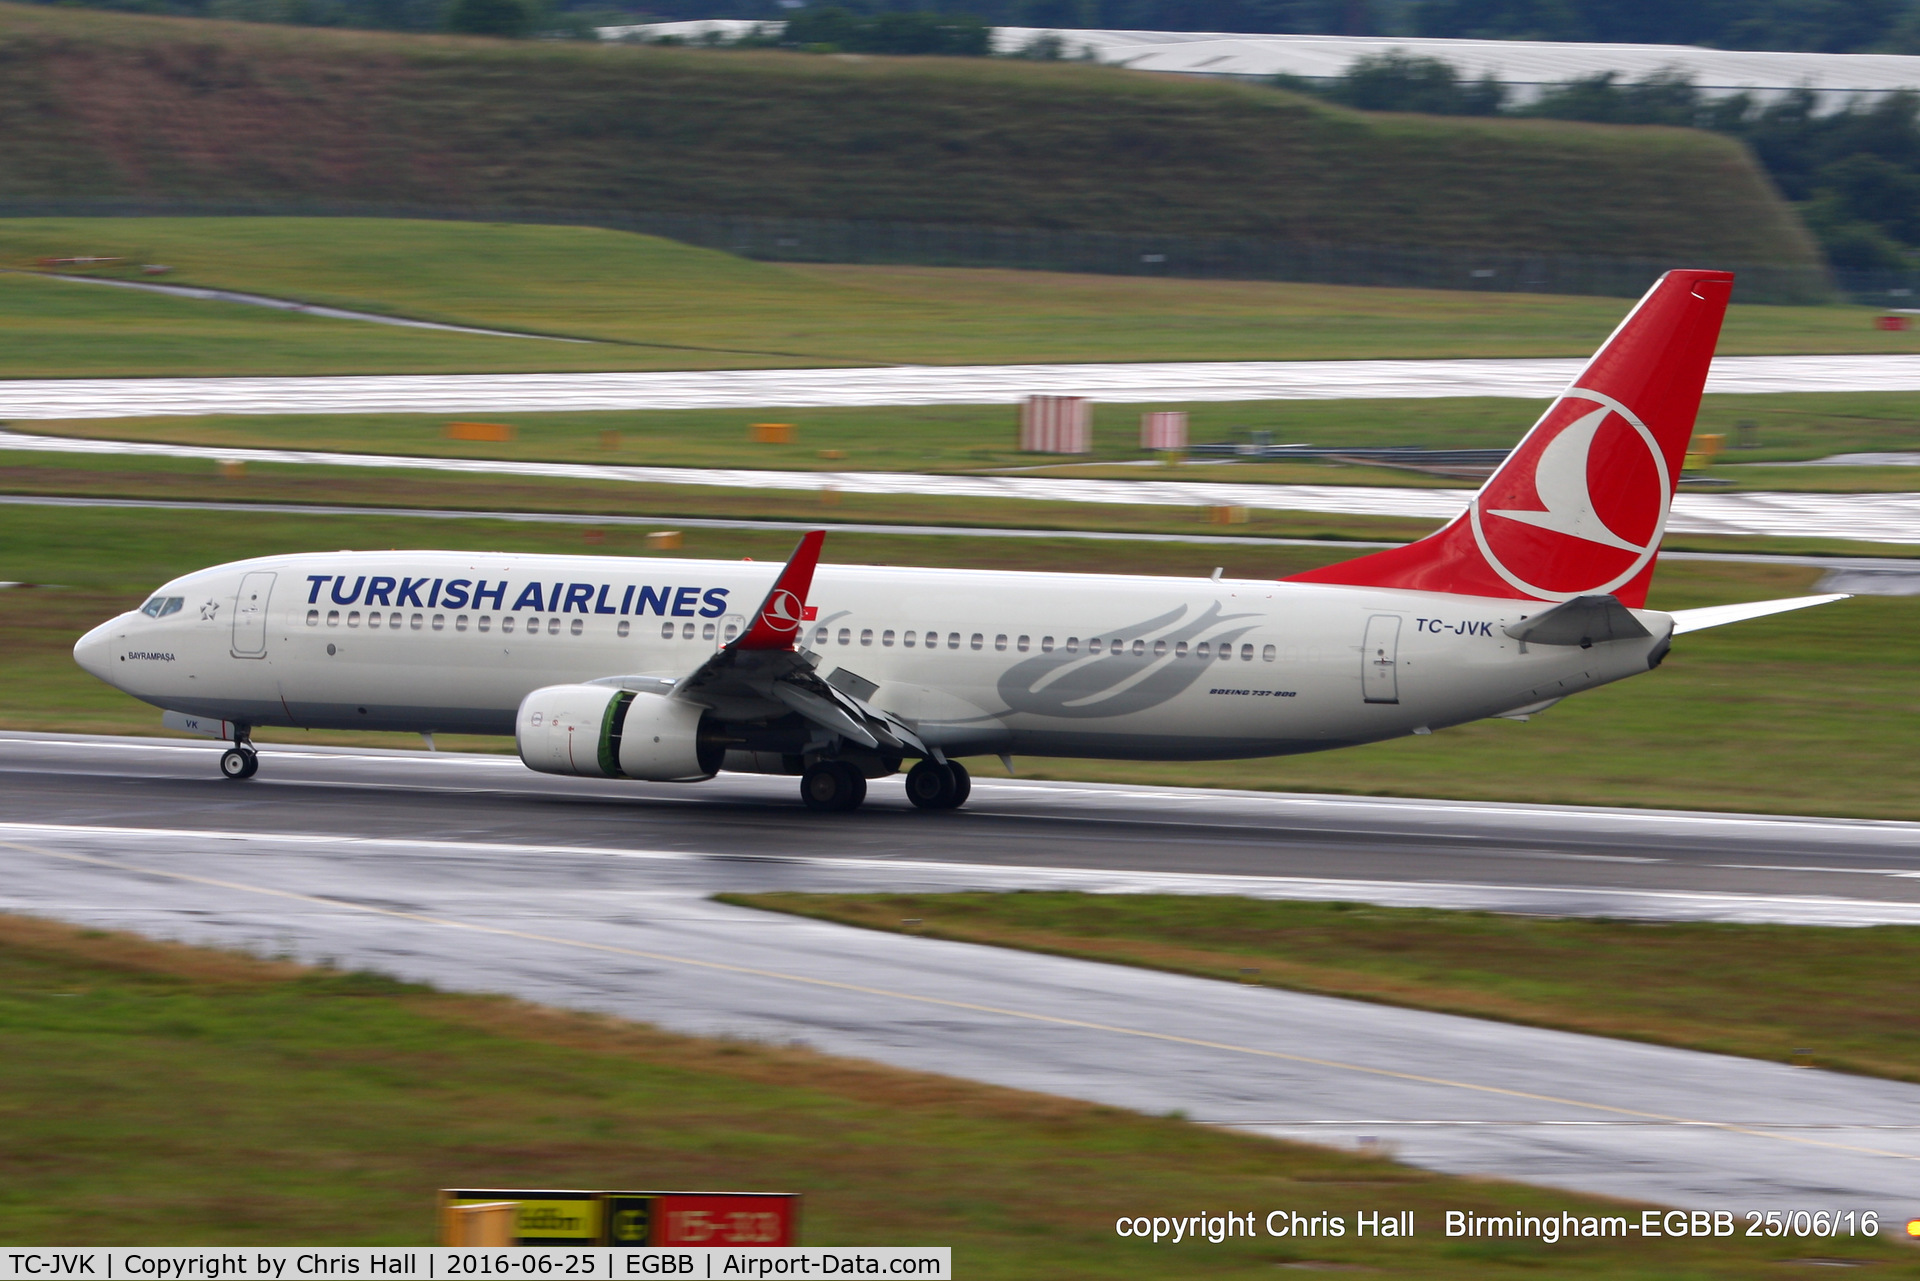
x=674 y=670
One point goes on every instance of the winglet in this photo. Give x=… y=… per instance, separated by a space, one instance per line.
x=777 y=623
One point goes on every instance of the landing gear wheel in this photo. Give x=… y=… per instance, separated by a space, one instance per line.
x=832 y=787
x=933 y=786
x=239 y=762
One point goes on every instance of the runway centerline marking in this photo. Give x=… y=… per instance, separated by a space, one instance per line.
x=1055 y=1020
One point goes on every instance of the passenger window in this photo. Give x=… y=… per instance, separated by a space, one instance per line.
x=1180 y=650
x=886 y=638
x=846 y=636
x=978 y=641
x=393 y=621
x=1073 y=644
x=416 y=621
x=1022 y=644
x=460 y=623
x=1246 y=653
x=439 y=622
x=866 y=636
x=686 y=631
x=506 y=623
x=313 y=618
x=1118 y=646
x=1046 y=644
x=1268 y=654
x=579 y=625
x=553 y=627
x=819 y=635
x=373 y=618
x=353 y=619
x=1095 y=645
x=953 y=640
x=625 y=629
x=1203 y=651
x=1000 y=642
x=727 y=632
x=906 y=638
x=706 y=632
x=1139 y=648
x=486 y=621
x=333 y=618
x=1159 y=648
x=666 y=631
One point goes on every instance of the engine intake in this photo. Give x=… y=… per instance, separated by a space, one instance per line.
x=598 y=732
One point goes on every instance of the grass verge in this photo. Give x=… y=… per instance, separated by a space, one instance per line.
x=1705 y=731
x=1819 y=997
x=658 y=304
x=171 y=1095
x=1788 y=427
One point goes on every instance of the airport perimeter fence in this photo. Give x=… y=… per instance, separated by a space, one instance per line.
x=834 y=240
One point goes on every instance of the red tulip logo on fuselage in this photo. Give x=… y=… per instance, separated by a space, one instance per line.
x=783 y=611
x=1579 y=507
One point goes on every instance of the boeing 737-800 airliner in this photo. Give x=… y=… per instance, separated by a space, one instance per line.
x=673 y=670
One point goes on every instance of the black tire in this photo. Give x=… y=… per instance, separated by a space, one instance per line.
x=831 y=787
x=962 y=784
x=239 y=762
x=930 y=786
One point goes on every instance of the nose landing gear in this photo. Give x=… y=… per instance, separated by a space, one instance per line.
x=240 y=760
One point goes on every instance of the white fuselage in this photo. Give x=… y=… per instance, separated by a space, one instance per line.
x=981 y=662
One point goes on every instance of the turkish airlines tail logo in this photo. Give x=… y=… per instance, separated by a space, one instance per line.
x=1581 y=503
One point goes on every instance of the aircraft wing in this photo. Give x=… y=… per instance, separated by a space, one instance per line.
x=764 y=672
x=1693 y=620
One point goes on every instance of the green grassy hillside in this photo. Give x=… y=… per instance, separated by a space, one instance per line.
x=97 y=105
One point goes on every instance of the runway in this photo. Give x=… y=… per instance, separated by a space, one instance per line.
x=1140 y=383
x=1878 y=517
x=470 y=873
x=1016 y=833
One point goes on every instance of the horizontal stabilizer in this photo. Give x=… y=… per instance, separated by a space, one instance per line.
x=1584 y=621
x=1693 y=620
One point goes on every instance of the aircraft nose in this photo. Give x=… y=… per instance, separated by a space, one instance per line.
x=96 y=651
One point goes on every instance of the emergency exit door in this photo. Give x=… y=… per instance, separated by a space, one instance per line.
x=250 y=615
x=1380 y=660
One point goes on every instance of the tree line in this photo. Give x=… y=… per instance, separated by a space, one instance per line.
x=1854 y=172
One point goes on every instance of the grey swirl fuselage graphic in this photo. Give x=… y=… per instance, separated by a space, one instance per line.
x=1119 y=681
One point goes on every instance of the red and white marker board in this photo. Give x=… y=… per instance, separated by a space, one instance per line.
x=1056 y=425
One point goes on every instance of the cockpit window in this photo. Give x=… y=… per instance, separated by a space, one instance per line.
x=161 y=606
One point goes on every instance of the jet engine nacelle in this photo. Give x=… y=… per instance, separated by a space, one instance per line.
x=601 y=732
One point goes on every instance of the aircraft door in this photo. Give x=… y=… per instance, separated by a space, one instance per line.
x=1380 y=660
x=730 y=627
x=250 y=615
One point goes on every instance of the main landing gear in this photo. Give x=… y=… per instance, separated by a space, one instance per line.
x=835 y=786
x=240 y=760
x=832 y=787
x=934 y=786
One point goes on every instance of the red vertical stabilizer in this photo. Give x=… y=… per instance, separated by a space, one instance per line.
x=1579 y=507
x=777 y=623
